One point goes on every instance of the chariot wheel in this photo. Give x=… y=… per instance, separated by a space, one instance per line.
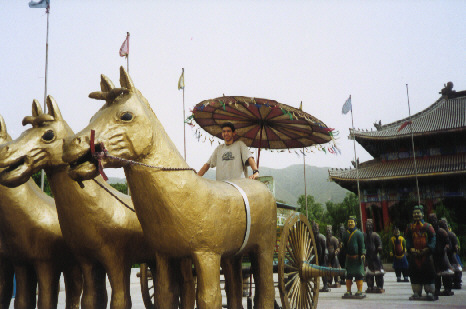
x=147 y=286
x=298 y=287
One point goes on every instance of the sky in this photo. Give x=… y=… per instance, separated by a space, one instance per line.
x=317 y=52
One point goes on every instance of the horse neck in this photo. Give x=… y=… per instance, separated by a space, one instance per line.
x=68 y=192
x=26 y=200
x=163 y=153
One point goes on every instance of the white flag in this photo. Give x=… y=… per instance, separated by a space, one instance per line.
x=347 y=106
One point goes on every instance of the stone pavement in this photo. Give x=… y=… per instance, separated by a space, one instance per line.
x=396 y=296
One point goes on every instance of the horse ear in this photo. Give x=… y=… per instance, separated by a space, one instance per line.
x=2 y=125
x=106 y=84
x=53 y=109
x=125 y=80
x=36 y=108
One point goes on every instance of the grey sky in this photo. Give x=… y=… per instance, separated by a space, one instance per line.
x=318 y=52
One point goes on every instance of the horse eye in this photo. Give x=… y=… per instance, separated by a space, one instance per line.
x=126 y=116
x=48 y=136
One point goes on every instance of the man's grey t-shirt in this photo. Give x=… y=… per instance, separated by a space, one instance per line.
x=230 y=160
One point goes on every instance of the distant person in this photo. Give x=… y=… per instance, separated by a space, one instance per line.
x=232 y=158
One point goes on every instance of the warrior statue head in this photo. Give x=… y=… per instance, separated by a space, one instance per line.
x=396 y=231
x=443 y=223
x=315 y=228
x=351 y=222
x=434 y=221
x=418 y=214
x=369 y=226
x=329 y=231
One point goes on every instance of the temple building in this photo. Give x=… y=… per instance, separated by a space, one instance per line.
x=388 y=183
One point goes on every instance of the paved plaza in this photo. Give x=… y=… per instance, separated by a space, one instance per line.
x=396 y=296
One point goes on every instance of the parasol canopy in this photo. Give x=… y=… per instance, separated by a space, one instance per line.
x=262 y=123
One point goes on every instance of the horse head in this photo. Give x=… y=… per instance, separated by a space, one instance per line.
x=124 y=125
x=37 y=148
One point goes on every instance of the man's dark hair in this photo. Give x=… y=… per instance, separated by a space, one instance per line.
x=228 y=124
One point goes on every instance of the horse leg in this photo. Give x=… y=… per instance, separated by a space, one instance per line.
x=262 y=264
x=6 y=282
x=26 y=282
x=233 y=273
x=188 y=292
x=119 y=272
x=208 y=280
x=166 y=288
x=48 y=277
x=94 y=290
x=73 y=284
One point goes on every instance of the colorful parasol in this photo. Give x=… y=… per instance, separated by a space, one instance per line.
x=262 y=123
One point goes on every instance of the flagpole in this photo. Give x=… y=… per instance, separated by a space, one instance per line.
x=47 y=11
x=127 y=56
x=412 y=143
x=184 y=118
x=357 y=169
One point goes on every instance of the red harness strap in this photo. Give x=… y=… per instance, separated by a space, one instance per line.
x=98 y=155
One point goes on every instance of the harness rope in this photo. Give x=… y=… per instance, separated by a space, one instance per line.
x=114 y=195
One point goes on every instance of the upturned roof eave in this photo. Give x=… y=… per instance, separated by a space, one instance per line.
x=396 y=177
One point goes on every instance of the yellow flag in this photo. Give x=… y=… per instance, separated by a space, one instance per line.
x=181 y=80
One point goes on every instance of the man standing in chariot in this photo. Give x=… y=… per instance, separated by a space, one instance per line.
x=231 y=158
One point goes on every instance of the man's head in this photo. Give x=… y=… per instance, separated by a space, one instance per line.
x=228 y=132
x=369 y=226
x=351 y=222
x=418 y=213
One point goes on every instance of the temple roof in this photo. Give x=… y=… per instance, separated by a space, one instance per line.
x=382 y=170
x=445 y=115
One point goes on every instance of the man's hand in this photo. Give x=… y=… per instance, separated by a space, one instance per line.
x=254 y=176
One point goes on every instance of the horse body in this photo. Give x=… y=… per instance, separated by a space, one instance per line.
x=32 y=242
x=182 y=214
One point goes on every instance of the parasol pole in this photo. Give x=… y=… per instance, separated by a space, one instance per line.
x=305 y=185
x=259 y=149
x=412 y=143
x=357 y=170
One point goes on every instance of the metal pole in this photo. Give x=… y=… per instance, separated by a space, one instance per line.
x=127 y=56
x=184 y=122
x=412 y=143
x=357 y=171
x=305 y=185
x=47 y=11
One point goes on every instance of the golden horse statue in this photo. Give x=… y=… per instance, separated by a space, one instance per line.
x=6 y=275
x=181 y=213
x=105 y=235
x=32 y=240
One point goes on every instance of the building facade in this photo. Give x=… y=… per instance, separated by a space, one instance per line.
x=437 y=167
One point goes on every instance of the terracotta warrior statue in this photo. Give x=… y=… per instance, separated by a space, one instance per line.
x=452 y=253
x=322 y=252
x=398 y=252
x=374 y=264
x=353 y=244
x=420 y=244
x=442 y=264
x=333 y=247
x=342 y=253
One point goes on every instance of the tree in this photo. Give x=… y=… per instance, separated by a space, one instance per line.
x=37 y=179
x=315 y=210
x=122 y=187
x=337 y=214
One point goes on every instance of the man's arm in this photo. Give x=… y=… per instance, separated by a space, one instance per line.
x=253 y=165
x=203 y=169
